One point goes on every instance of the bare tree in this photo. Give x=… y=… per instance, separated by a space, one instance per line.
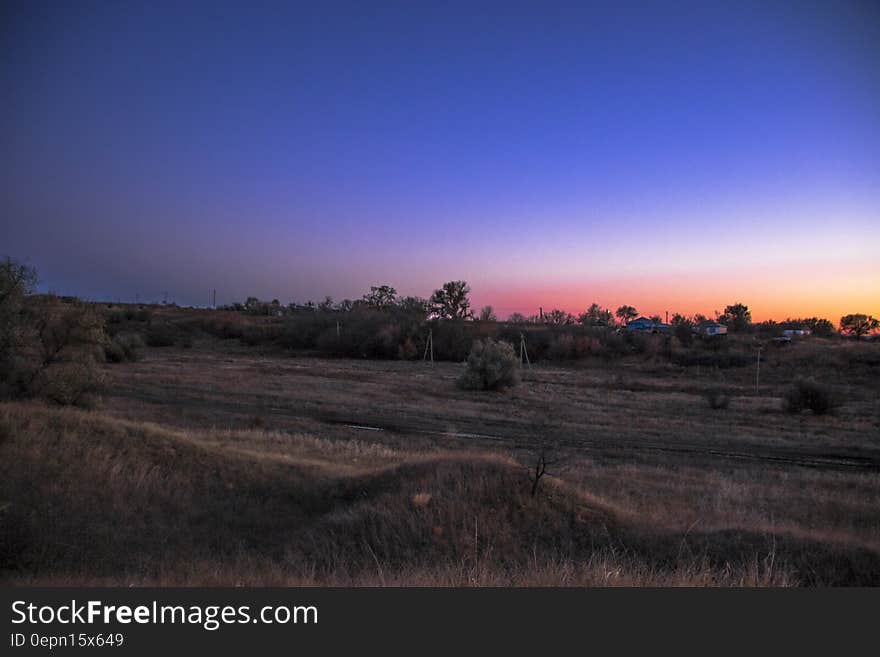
x=545 y=457
x=487 y=314
x=558 y=317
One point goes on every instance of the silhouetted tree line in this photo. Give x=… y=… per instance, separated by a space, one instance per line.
x=49 y=345
x=384 y=325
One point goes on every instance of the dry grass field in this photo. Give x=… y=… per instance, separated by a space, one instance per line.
x=224 y=464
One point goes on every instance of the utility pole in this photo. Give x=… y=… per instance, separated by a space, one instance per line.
x=429 y=347
x=165 y=298
x=215 y=299
x=758 y=371
x=541 y=313
x=667 y=316
x=523 y=352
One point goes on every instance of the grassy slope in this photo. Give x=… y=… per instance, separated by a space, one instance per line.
x=86 y=498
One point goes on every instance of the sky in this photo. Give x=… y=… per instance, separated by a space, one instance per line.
x=674 y=156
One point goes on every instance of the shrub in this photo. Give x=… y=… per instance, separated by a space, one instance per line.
x=161 y=335
x=254 y=335
x=561 y=348
x=69 y=383
x=407 y=350
x=48 y=346
x=124 y=347
x=491 y=365
x=717 y=398
x=808 y=394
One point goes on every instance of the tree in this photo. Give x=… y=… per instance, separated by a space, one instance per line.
x=414 y=307
x=823 y=328
x=596 y=315
x=451 y=301
x=558 y=317
x=17 y=281
x=858 y=324
x=381 y=297
x=487 y=314
x=682 y=327
x=626 y=314
x=48 y=348
x=545 y=454
x=819 y=327
x=737 y=317
x=517 y=318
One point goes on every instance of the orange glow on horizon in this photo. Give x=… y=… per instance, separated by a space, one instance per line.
x=770 y=293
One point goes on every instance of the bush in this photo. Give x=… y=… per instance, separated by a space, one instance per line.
x=561 y=348
x=161 y=335
x=491 y=365
x=717 y=398
x=69 y=383
x=122 y=348
x=807 y=394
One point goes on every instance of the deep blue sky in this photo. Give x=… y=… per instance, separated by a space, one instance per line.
x=549 y=153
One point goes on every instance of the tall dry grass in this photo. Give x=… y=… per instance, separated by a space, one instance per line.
x=88 y=499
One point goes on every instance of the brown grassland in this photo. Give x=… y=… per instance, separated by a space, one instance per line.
x=222 y=464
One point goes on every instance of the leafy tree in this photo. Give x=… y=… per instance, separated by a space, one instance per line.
x=822 y=328
x=858 y=324
x=682 y=327
x=415 y=307
x=737 y=317
x=451 y=301
x=596 y=315
x=381 y=297
x=47 y=347
x=558 y=317
x=626 y=314
x=487 y=314
x=517 y=318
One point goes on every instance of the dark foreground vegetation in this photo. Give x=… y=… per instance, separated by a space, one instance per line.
x=148 y=505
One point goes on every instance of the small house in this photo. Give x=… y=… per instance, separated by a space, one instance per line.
x=711 y=327
x=796 y=332
x=646 y=325
x=640 y=324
